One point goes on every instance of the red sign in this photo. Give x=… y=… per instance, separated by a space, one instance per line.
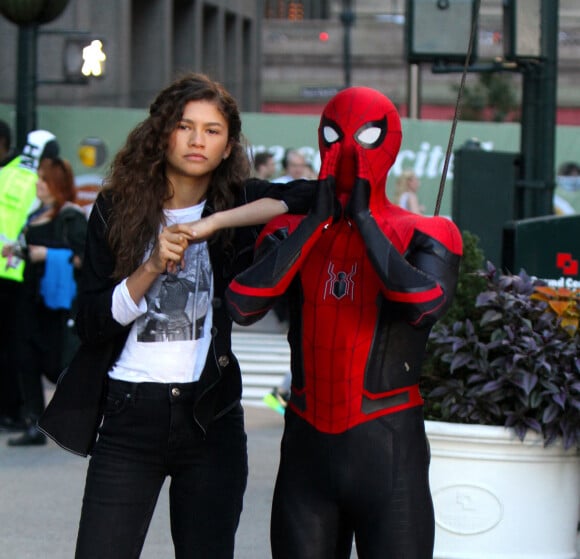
x=567 y=264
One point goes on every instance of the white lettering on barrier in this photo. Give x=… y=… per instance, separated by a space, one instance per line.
x=427 y=162
x=568 y=283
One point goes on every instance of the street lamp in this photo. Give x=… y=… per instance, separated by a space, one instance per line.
x=28 y=16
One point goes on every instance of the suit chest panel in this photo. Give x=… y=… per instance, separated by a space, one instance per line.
x=340 y=290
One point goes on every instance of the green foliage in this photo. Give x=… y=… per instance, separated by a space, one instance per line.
x=469 y=285
x=469 y=282
x=493 y=91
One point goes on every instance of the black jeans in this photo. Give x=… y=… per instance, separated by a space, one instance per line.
x=149 y=433
x=11 y=325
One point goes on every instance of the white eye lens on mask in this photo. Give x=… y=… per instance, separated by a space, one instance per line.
x=330 y=134
x=369 y=136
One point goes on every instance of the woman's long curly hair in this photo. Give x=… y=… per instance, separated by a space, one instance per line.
x=137 y=181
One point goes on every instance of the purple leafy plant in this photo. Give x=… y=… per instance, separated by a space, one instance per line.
x=514 y=365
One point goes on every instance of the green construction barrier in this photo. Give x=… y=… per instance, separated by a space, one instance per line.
x=484 y=196
x=545 y=247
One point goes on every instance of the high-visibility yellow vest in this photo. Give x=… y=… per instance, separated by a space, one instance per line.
x=17 y=196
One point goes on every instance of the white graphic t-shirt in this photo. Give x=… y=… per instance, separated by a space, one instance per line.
x=171 y=332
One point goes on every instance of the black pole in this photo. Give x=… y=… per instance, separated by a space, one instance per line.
x=536 y=187
x=549 y=47
x=347 y=18
x=530 y=131
x=26 y=82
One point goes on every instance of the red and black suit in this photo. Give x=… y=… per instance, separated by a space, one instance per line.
x=366 y=280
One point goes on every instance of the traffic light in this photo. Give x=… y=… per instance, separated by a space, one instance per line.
x=522 y=23
x=83 y=59
x=94 y=59
x=92 y=152
x=295 y=11
x=439 y=30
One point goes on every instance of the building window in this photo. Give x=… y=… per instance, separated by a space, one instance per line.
x=296 y=11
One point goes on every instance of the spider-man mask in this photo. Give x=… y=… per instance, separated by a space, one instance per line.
x=360 y=118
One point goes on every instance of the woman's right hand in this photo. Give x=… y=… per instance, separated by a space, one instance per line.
x=169 y=251
x=166 y=256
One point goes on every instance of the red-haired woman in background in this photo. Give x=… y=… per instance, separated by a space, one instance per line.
x=52 y=244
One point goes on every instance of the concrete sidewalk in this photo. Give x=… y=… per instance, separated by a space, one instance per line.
x=41 y=490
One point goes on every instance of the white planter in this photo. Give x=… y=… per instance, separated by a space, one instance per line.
x=498 y=498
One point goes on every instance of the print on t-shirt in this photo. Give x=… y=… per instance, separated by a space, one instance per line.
x=177 y=303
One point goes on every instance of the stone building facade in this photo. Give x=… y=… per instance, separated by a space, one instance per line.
x=273 y=55
x=147 y=43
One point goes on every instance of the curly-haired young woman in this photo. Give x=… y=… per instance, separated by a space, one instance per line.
x=154 y=391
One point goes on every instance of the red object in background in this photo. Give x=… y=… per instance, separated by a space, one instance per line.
x=567 y=264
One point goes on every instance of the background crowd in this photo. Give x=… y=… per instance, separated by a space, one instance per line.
x=42 y=236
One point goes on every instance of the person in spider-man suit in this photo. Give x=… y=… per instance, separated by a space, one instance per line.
x=366 y=281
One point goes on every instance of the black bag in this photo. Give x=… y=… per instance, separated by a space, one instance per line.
x=70 y=344
x=70 y=222
x=65 y=343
